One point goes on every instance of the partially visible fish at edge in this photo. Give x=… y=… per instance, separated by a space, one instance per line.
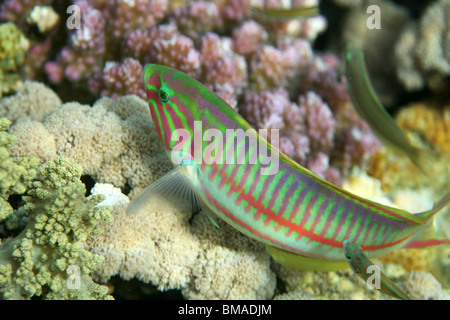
x=373 y=112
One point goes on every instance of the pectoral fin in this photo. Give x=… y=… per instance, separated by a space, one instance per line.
x=176 y=185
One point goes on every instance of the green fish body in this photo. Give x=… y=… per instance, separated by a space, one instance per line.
x=302 y=218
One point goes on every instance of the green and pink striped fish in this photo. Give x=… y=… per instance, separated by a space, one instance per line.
x=302 y=218
x=371 y=273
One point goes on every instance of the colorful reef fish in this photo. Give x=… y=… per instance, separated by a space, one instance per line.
x=286 y=14
x=366 y=269
x=373 y=112
x=301 y=218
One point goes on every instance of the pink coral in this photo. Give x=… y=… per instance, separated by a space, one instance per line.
x=196 y=18
x=120 y=79
x=179 y=53
x=319 y=121
x=82 y=57
x=320 y=165
x=321 y=76
x=90 y=46
x=358 y=143
x=223 y=70
x=270 y=69
x=249 y=38
x=139 y=43
x=163 y=45
x=234 y=10
x=274 y=110
x=123 y=16
x=275 y=67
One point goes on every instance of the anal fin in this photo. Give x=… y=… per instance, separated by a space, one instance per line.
x=298 y=262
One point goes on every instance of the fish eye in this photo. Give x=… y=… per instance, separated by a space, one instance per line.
x=163 y=94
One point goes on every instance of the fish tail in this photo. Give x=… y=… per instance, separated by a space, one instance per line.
x=441 y=204
x=429 y=237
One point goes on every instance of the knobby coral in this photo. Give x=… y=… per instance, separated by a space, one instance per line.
x=423 y=51
x=58 y=218
x=113 y=140
x=15 y=177
x=171 y=249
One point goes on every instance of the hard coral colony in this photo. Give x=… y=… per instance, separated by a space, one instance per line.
x=264 y=59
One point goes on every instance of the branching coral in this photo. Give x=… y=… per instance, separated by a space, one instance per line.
x=82 y=57
x=423 y=51
x=249 y=38
x=223 y=70
x=15 y=177
x=196 y=18
x=306 y=129
x=36 y=262
x=118 y=80
x=163 y=44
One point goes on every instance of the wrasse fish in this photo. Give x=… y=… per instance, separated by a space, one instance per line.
x=373 y=112
x=302 y=218
x=363 y=267
x=286 y=14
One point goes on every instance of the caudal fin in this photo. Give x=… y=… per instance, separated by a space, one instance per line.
x=428 y=236
x=441 y=204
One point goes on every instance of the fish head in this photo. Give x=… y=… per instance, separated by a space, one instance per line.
x=172 y=96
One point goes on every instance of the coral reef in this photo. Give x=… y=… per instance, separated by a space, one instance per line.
x=423 y=52
x=36 y=262
x=162 y=247
x=155 y=247
x=113 y=140
x=272 y=71
x=380 y=63
x=309 y=130
x=426 y=124
x=15 y=177
x=422 y=285
x=14 y=47
x=229 y=265
x=263 y=55
x=32 y=101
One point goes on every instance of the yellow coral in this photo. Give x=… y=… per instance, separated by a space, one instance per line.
x=428 y=121
x=425 y=125
x=412 y=259
x=13 y=47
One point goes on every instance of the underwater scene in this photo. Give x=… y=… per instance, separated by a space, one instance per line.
x=225 y=149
